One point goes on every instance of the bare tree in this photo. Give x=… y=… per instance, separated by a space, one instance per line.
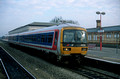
x=59 y=20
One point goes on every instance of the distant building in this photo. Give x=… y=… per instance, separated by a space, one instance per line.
x=110 y=35
x=32 y=26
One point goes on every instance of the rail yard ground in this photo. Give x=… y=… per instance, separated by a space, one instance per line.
x=40 y=68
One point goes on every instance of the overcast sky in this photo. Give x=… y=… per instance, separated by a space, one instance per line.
x=16 y=13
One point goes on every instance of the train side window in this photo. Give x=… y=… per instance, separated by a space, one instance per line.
x=34 y=38
x=43 y=38
x=50 y=38
x=56 y=36
x=38 y=37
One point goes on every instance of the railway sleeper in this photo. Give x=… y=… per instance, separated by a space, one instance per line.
x=73 y=59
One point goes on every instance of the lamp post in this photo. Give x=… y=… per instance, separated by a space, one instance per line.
x=100 y=13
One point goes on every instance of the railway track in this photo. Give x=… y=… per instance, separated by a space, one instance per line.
x=92 y=72
x=95 y=72
x=13 y=68
x=3 y=72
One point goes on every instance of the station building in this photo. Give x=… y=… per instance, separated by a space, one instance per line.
x=110 y=35
x=32 y=26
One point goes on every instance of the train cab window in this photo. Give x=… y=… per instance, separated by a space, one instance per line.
x=74 y=36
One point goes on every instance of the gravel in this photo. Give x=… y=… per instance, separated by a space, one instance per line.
x=37 y=66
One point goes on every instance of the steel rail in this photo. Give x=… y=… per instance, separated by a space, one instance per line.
x=93 y=73
x=4 y=69
x=19 y=64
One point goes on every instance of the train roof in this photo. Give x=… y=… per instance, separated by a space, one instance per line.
x=49 y=28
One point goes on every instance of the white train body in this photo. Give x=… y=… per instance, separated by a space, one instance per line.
x=61 y=40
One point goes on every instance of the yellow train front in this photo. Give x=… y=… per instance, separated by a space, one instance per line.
x=73 y=43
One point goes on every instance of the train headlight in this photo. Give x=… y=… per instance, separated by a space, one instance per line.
x=66 y=49
x=84 y=49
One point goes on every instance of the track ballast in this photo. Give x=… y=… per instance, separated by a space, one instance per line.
x=14 y=69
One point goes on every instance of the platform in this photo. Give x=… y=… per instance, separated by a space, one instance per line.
x=110 y=54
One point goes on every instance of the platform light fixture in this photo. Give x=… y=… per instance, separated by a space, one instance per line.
x=100 y=13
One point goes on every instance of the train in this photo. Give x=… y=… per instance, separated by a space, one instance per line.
x=64 y=41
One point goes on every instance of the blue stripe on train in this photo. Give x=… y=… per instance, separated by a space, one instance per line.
x=38 y=38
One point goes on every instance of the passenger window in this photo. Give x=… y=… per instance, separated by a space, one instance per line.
x=50 y=38
x=43 y=38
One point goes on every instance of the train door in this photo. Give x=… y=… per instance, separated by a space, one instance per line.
x=55 y=39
